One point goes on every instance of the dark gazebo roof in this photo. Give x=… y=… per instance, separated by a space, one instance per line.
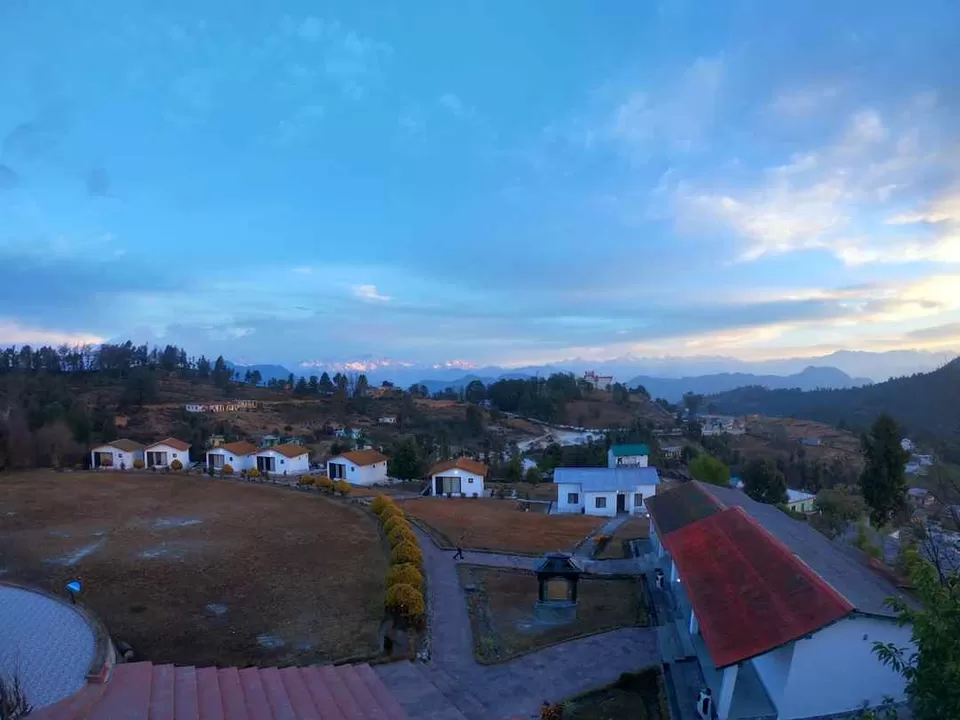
x=559 y=563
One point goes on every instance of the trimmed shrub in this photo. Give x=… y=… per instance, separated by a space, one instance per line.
x=325 y=484
x=406 y=552
x=138 y=464
x=176 y=465
x=307 y=480
x=404 y=574
x=401 y=534
x=380 y=503
x=253 y=472
x=405 y=600
x=395 y=521
x=227 y=470
x=342 y=487
x=390 y=512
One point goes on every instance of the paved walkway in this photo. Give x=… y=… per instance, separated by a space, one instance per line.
x=520 y=686
x=588 y=547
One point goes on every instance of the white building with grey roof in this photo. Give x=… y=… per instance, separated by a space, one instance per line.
x=605 y=491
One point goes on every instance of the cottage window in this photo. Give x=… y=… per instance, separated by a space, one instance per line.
x=637 y=499
x=600 y=503
x=573 y=498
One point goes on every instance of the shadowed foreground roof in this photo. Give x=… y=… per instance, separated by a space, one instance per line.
x=749 y=592
x=681 y=506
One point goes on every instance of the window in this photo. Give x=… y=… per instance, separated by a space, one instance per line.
x=573 y=498
x=451 y=485
x=638 y=499
x=601 y=502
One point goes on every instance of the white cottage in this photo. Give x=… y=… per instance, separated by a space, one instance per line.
x=605 y=491
x=360 y=467
x=238 y=455
x=162 y=454
x=776 y=614
x=462 y=477
x=116 y=455
x=288 y=459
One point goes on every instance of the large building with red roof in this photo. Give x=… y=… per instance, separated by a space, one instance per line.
x=782 y=619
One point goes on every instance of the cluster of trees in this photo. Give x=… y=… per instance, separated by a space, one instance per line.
x=544 y=399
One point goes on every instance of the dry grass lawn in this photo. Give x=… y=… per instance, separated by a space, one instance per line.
x=190 y=570
x=487 y=524
x=501 y=611
x=635 y=527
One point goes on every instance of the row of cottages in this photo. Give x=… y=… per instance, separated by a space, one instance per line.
x=461 y=477
x=781 y=619
x=122 y=454
x=359 y=467
x=223 y=406
x=289 y=459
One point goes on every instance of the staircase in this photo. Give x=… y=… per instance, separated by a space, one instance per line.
x=144 y=691
x=428 y=693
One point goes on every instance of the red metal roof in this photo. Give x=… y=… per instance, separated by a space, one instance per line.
x=749 y=592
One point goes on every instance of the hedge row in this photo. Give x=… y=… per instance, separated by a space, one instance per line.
x=404 y=578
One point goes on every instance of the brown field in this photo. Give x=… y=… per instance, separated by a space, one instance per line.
x=540 y=491
x=501 y=611
x=635 y=527
x=487 y=524
x=196 y=571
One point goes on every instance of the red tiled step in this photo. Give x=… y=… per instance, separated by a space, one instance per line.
x=208 y=694
x=231 y=694
x=163 y=697
x=303 y=706
x=385 y=700
x=344 y=698
x=127 y=695
x=277 y=694
x=361 y=693
x=258 y=708
x=321 y=695
x=186 y=703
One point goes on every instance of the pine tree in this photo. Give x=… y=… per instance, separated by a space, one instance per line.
x=882 y=481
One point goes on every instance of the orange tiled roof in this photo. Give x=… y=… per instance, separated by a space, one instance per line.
x=289 y=450
x=365 y=457
x=239 y=448
x=172 y=442
x=462 y=463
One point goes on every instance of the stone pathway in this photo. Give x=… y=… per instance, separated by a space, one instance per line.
x=586 y=549
x=520 y=686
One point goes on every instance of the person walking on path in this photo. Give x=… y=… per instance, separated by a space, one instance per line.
x=458 y=555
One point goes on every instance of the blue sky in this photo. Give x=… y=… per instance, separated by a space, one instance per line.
x=490 y=182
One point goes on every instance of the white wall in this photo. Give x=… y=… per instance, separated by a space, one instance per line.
x=361 y=474
x=172 y=454
x=470 y=483
x=237 y=462
x=774 y=669
x=590 y=505
x=836 y=670
x=120 y=457
x=647 y=491
x=563 y=490
x=285 y=465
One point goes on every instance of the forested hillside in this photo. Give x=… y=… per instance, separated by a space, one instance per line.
x=927 y=405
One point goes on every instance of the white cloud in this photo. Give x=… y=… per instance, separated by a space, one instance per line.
x=804 y=101
x=455 y=105
x=369 y=293
x=678 y=115
x=13 y=333
x=349 y=59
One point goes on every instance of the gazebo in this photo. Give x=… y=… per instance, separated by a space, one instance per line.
x=558 y=577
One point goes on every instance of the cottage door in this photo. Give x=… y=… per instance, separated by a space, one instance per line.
x=621 y=503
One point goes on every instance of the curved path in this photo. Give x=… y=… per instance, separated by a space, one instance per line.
x=520 y=686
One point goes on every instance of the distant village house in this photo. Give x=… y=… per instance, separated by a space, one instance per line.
x=636 y=455
x=598 y=382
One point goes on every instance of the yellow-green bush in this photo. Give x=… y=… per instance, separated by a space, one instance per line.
x=405 y=600
x=138 y=464
x=342 y=487
x=176 y=465
x=228 y=469
x=401 y=534
x=391 y=511
x=406 y=552
x=325 y=484
x=307 y=480
x=380 y=503
x=253 y=472
x=405 y=574
x=393 y=522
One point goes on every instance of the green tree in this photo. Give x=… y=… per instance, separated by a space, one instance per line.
x=301 y=388
x=406 y=463
x=764 y=482
x=325 y=385
x=689 y=453
x=710 y=470
x=533 y=476
x=514 y=472
x=692 y=401
x=221 y=374
x=474 y=417
x=882 y=480
x=313 y=385
x=932 y=670
x=837 y=508
x=361 y=387
x=475 y=392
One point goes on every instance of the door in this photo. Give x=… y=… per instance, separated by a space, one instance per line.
x=438 y=489
x=621 y=503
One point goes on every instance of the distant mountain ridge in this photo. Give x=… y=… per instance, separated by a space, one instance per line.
x=810 y=378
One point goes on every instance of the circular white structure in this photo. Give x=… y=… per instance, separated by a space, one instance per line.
x=45 y=641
